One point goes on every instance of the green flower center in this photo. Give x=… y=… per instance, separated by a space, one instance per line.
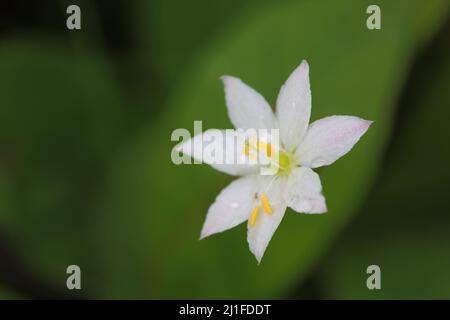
x=286 y=162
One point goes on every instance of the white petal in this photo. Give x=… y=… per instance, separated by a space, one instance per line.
x=222 y=153
x=247 y=109
x=260 y=234
x=294 y=107
x=232 y=206
x=330 y=138
x=303 y=191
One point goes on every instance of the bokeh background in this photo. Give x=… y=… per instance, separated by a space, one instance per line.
x=85 y=170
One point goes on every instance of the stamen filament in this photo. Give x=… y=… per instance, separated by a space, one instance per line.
x=270 y=184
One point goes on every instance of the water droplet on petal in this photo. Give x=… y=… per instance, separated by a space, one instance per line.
x=235 y=205
x=292 y=198
x=305 y=206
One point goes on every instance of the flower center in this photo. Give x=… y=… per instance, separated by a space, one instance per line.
x=274 y=156
x=286 y=162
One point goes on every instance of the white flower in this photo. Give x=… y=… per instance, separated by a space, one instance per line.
x=262 y=199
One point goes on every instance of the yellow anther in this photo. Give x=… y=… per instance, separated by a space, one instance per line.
x=247 y=148
x=253 y=216
x=260 y=145
x=265 y=204
x=247 y=151
x=265 y=147
x=269 y=149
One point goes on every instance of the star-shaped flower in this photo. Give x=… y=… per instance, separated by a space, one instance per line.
x=261 y=200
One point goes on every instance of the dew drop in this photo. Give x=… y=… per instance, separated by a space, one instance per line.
x=235 y=205
x=307 y=206
x=292 y=199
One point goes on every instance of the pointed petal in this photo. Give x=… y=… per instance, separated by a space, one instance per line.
x=246 y=107
x=212 y=147
x=232 y=206
x=303 y=192
x=294 y=107
x=260 y=234
x=330 y=138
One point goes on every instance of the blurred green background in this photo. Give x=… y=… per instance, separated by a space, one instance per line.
x=85 y=170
